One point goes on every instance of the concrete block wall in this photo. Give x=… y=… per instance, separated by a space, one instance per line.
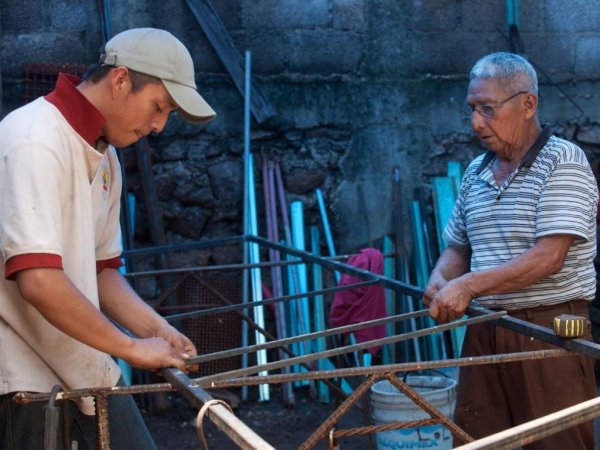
x=360 y=87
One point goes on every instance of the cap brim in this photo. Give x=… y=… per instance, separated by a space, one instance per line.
x=192 y=106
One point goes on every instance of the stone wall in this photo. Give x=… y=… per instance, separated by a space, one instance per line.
x=360 y=87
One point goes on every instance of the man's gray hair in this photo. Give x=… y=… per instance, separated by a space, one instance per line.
x=512 y=71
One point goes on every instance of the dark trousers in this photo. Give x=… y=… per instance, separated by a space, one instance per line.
x=22 y=426
x=492 y=398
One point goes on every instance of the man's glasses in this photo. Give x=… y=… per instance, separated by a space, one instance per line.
x=487 y=111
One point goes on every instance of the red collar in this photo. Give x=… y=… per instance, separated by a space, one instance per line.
x=85 y=119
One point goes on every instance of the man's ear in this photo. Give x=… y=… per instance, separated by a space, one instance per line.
x=119 y=80
x=530 y=105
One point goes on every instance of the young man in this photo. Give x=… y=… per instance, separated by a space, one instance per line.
x=522 y=238
x=60 y=185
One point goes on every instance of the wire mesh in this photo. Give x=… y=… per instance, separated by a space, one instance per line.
x=40 y=79
x=215 y=332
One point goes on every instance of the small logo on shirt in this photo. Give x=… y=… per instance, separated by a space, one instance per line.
x=105 y=179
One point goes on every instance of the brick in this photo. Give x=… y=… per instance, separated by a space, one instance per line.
x=587 y=57
x=229 y=12
x=349 y=15
x=269 y=56
x=324 y=53
x=21 y=15
x=553 y=57
x=442 y=15
x=72 y=16
x=285 y=14
x=574 y=16
x=446 y=53
x=531 y=17
x=40 y=48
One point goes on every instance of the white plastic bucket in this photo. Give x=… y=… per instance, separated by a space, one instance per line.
x=389 y=405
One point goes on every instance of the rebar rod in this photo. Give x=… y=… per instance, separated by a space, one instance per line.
x=582 y=346
x=238 y=306
x=27 y=397
x=322 y=429
x=237 y=266
x=357 y=272
x=351 y=348
x=390 y=368
x=145 y=251
x=539 y=428
x=221 y=416
x=357 y=431
x=309 y=336
x=103 y=434
x=268 y=335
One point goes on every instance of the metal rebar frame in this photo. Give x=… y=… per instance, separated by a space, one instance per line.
x=194 y=390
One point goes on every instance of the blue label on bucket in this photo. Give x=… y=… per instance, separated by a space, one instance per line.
x=431 y=436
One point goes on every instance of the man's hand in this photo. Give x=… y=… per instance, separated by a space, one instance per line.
x=180 y=344
x=154 y=353
x=450 y=302
x=435 y=283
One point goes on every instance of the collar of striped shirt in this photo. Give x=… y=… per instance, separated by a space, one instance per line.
x=531 y=154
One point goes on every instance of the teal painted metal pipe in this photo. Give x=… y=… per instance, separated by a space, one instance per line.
x=320 y=344
x=255 y=277
x=326 y=228
x=389 y=351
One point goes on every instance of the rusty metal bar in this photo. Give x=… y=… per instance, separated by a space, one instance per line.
x=341 y=267
x=349 y=348
x=309 y=336
x=390 y=368
x=322 y=430
x=542 y=427
x=183 y=246
x=222 y=417
x=238 y=266
x=27 y=397
x=103 y=434
x=336 y=389
x=357 y=431
x=582 y=346
x=242 y=306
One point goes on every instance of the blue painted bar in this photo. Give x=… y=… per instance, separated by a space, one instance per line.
x=320 y=344
x=389 y=351
x=326 y=228
x=298 y=241
x=255 y=277
x=455 y=171
x=292 y=314
x=434 y=341
x=245 y=216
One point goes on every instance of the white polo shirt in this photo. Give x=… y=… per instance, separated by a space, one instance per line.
x=553 y=191
x=59 y=207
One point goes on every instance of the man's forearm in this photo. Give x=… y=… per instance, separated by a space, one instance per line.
x=544 y=259
x=122 y=304
x=56 y=298
x=452 y=263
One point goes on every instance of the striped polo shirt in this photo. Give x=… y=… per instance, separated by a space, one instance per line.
x=552 y=191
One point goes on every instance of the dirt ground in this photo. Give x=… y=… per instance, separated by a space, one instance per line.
x=284 y=428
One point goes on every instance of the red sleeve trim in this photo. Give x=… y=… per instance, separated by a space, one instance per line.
x=113 y=263
x=30 y=261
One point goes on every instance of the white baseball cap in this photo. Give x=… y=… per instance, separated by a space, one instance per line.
x=159 y=54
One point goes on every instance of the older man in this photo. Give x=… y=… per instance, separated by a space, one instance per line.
x=521 y=238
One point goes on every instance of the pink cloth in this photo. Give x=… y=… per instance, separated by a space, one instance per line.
x=361 y=304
